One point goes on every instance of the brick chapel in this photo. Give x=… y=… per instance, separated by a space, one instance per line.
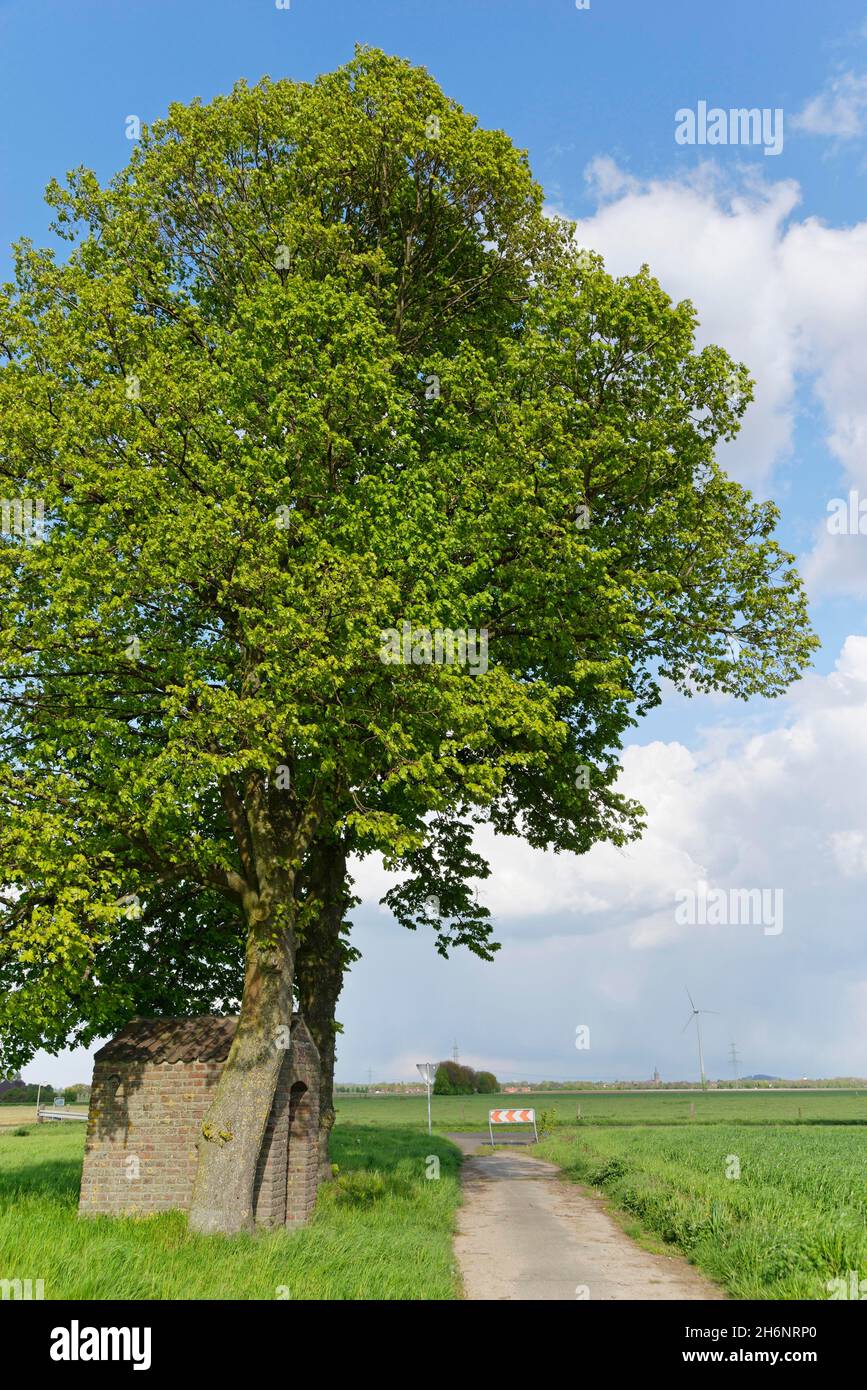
x=152 y=1086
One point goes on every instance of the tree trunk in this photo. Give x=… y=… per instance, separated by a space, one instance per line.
x=323 y=956
x=319 y=1005
x=233 y=1129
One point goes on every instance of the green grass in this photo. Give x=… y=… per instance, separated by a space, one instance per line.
x=617 y=1108
x=381 y=1231
x=794 y=1219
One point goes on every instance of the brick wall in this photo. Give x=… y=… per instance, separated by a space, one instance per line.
x=303 y=1165
x=145 y=1118
x=269 y=1189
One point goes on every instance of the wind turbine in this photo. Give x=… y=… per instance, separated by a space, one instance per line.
x=695 y=1015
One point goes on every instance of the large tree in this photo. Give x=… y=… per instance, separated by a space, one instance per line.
x=316 y=366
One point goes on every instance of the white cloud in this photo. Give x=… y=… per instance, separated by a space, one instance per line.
x=594 y=940
x=839 y=111
x=787 y=296
x=736 y=818
x=849 y=848
x=731 y=812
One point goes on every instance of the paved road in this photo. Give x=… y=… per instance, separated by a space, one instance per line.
x=525 y=1233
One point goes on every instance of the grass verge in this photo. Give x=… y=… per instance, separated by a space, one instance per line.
x=773 y=1214
x=383 y=1230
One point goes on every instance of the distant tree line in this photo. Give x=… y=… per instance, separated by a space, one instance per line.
x=28 y=1093
x=754 y=1083
x=453 y=1079
x=457 y=1076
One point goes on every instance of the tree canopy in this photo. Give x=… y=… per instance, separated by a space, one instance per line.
x=454 y=1079
x=315 y=368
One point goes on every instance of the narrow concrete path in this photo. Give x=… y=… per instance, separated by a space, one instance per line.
x=524 y=1233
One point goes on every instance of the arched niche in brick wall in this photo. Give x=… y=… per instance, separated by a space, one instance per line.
x=303 y=1154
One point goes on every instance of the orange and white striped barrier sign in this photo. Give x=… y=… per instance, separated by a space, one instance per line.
x=511 y=1117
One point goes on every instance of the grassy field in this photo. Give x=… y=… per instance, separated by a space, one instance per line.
x=792 y=1220
x=381 y=1231
x=617 y=1108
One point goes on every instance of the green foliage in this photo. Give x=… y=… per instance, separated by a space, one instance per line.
x=547 y=1122
x=442 y=1081
x=219 y=395
x=25 y=1094
x=454 y=1079
x=610 y=1172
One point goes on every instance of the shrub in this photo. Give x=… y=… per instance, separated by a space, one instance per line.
x=609 y=1172
x=454 y=1080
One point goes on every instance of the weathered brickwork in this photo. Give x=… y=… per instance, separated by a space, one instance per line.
x=151 y=1090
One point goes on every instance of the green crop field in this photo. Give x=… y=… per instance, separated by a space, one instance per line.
x=770 y=1212
x=617 y=1108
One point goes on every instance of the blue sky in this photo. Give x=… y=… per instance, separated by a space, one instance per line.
x=773 y=251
